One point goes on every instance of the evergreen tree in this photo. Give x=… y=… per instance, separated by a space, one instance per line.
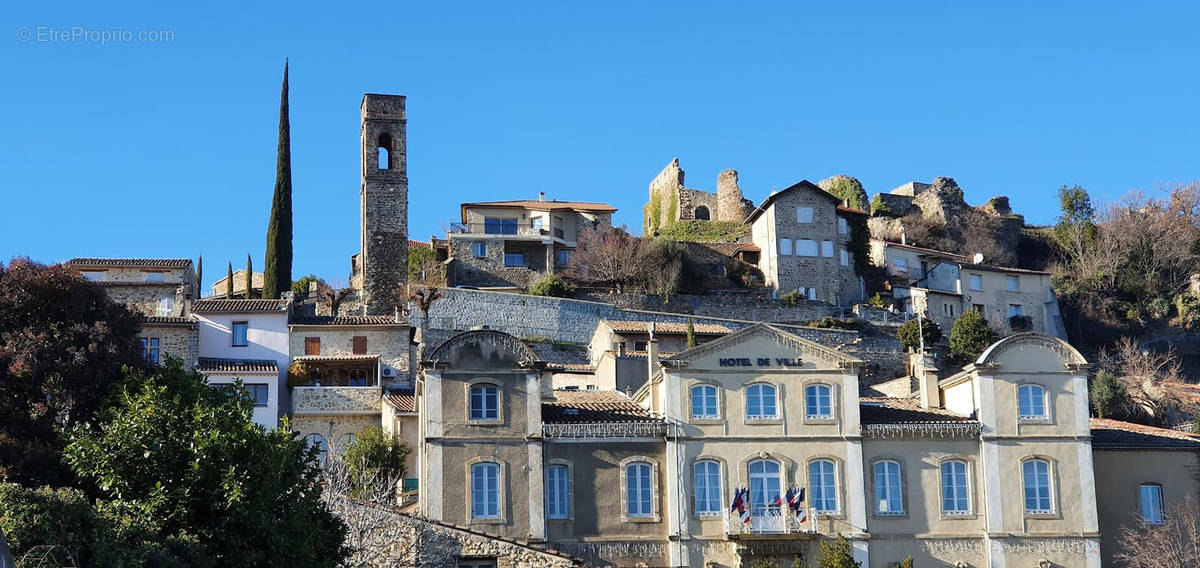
x=229 y=283
x=249 y=275
x=277 y=272
x=1107 y=394
x=200 y=276
x=970 y=335
x=691 y=334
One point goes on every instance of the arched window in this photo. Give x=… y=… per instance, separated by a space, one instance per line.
x=707 y=483
x=701 y=213
x=765 y=483
x=1036 y=473
x=385 y=151
x=1151 y=497
x=704 y=401
x=818 y=401
x=318 y=441
x=1031 y=402
x=485 y=490
x=344 y=443
x=558 y=492
x=822 y=482
x=760 y=401
x=639 y=501
x=485 y=402
x=889 y=499
x=955 y=500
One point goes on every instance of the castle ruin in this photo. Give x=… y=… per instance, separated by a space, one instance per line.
x=670 y=201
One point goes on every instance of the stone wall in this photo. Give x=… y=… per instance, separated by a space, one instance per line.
x=143 y=298
x=180 y=341
x=390 y=344
x=468 y=270
x=751 y=305
x=574 y=321
x=326 y=400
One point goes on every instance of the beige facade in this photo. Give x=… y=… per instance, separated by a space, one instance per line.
x=804 y=236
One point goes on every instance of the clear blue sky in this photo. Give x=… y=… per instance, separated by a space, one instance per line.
x=168 y=148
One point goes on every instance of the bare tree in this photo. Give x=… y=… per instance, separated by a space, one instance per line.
x=1173 y=544
x=610 y=256
x=1148 y=378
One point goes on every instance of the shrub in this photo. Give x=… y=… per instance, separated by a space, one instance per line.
x=299 y=374
x=33 y=517
x=704 y=231
x=300 y=287
x=906 y=563
x=836 y=553
x=879 y=206
x=910 y=333
x=1107 y=394
x=552 y=286
x=374 y=453
x=875 y=301
x=970 y=335
x=836 y=323
x=792 y=298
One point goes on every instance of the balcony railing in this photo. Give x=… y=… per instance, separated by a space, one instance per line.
x=485 y=229
x=770 y=521
x=606 y=430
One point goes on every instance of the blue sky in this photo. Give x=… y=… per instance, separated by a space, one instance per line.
x=168 y=148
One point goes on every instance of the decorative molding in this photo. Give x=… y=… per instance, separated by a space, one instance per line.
x=919 y=430
x=488 y=337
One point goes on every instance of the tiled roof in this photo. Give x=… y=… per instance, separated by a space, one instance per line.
x=171 y=320
x=345 y=320
x=546 y=205
x=644 y=354
x=851 y=210
x=590 y=407
x=318 y=358
x=401 y=400
x=873 y=410
x=215 y=365
x=970 y=265
x=135 y=262
x=1117 y=435
x=239 y=306
x=625 y=326
x=936 y=252
x=418 y=244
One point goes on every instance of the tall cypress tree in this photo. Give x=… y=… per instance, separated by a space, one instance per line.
x=200 y=277
x=249 y=275
x=277 y=272
x=229 y=283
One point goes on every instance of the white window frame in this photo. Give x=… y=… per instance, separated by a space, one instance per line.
x=1151 y=505
x=484 y=497
x=479 y=249
x=707 y=502
x=708 y=393
x=639 y=489
x=821 y=493
x=755 y=391
x=166 y=306
x=1033 y=394
x=1048 y=488
x=558 y=491
x=960 y=492
x=812 y=401
x=804 y=214
x=891 y=482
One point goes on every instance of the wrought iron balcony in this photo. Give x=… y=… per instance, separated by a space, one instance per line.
x=606 y=430
x=770 y=521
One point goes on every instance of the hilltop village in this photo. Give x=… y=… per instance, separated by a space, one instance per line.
x=761 y=399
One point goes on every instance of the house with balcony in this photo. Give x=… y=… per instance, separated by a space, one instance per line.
x=347 y=373
x=512 y=244
x=160 y=291
x=247 y=340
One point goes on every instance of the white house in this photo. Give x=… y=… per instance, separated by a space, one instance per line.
x=247 y=340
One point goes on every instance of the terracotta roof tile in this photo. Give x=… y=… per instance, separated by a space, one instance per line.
x=166 y=320
x=240 y=306
x=1117 y=435
x=625 y=326
x=590 y=407
x=546 y=205
x=319 y=358
x=401 y=400
x=215 y=365
x=345 y=320
x=137 y=262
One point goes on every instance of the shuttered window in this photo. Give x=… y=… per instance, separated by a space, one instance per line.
x=312 y=345
x=360 y=344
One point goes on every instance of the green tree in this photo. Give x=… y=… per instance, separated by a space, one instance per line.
x=200 y=275
x=970 y=335
x=249 y=275
x=836 y=553
x=691 y=334
x=552 y=285
x=910 y=333
x=186 y=461
x=301 y=286
x=1077 y=215
x=420 y=259
x=879 y=206
x=63 y=344
x=847 y=189
x=229 y=283
x=1107 y=394
x=277 y=270
x=375 y=454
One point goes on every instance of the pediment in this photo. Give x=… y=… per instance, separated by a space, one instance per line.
x=1031 y=352
x=484 y=349
x=762 y=346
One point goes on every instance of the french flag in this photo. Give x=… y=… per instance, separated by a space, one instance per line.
x=738 y=502
x=795 y=498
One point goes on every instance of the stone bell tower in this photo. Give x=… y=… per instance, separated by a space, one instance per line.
x=384 y=256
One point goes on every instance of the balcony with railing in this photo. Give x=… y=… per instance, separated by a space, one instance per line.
x=498 y=230
x=605 y=430
x=770 y=521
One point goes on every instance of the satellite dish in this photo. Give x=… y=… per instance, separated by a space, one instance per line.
x=978 y=258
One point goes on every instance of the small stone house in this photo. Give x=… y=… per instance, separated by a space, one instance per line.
x=512 y=244
x=160 y=291
x=804 y=234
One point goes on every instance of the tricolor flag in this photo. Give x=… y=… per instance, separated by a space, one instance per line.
x=802 y=515
x=795 y=497
x=739 y=501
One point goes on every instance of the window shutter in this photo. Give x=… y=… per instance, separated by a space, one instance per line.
x=360 y=345
x=312 y=345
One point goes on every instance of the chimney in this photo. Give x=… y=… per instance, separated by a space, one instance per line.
x=652 y=355
x=903 y=238
x=541 y=196
x=650 y=328
x=620 y=349
x=927 y=380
